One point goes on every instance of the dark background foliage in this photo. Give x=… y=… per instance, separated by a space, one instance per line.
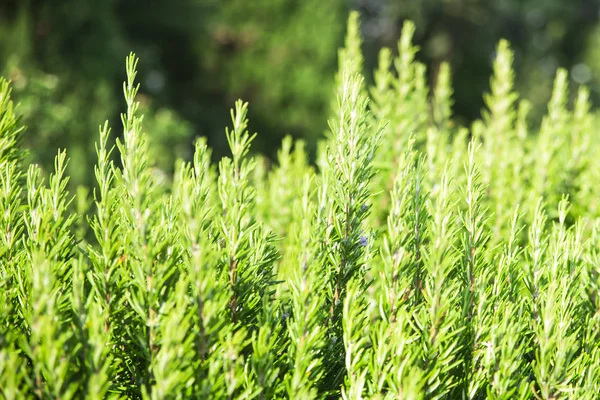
x=66 y=61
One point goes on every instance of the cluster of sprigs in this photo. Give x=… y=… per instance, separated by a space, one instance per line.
x=419 y=260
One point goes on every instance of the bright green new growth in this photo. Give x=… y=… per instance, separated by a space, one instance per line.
x=418 y=260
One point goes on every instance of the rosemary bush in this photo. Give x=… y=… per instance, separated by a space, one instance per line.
x=417 y=260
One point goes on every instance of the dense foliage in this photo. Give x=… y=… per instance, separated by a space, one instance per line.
x=418 y=260
x=64 y=57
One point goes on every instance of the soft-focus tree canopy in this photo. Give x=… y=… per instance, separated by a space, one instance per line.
x=281 y=55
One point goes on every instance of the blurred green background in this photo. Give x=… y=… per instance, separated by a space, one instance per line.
x=66 y=61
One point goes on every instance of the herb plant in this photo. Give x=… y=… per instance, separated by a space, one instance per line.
x=417 y=260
